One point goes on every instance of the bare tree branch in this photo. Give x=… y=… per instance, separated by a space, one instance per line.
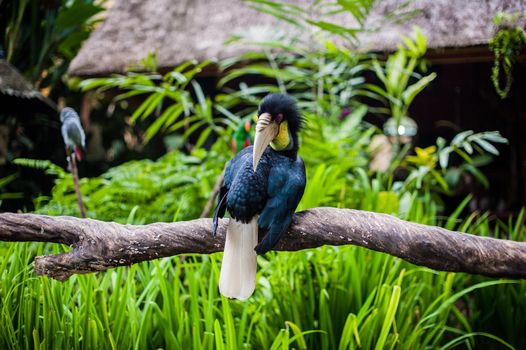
x=99 y=245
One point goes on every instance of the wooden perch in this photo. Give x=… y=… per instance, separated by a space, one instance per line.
x=99 y=245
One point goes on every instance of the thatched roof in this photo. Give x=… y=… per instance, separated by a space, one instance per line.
x=14 y=88
x=13 y=83
x=196 y=29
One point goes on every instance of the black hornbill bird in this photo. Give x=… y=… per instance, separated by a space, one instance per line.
x=262 y=188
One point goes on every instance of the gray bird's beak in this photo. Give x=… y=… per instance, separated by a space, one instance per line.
x=266 y=131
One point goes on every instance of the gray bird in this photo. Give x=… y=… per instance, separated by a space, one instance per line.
x=72 y=132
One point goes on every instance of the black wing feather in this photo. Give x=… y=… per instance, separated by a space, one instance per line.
x=285 y=189
x=230 y=171
x=220 y=209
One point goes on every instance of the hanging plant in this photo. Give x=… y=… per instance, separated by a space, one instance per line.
x=506 y=45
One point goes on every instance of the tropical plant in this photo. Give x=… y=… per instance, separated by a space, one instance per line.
x=305 y=62
x=139 y=191
x=324 y=82
x=41 y=38
x=401 y=83
x=167 y=99
x=429 y=167
x=4 y=181
x=318 y=15
x=507 y=43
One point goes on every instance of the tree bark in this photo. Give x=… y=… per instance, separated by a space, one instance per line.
x=98 y=245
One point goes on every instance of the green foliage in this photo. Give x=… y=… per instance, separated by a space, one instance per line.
x=41 y=38
x=318 y=15
x=430 y=169
x=324 y=77
x=324 y=82
x=337 y=157
x=329 y=141
x=506 y=44
x=397 y=73
x=167 y=99
x=144 y=191
x=46 y=165
x=5 y=181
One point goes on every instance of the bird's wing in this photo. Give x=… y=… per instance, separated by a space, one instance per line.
x=73 y=133
x=230 y=172
x=64 y=131
x=285 y=189
x=236 y=163
x=220 y=208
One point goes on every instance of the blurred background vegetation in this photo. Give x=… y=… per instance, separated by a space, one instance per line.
x=164 y=137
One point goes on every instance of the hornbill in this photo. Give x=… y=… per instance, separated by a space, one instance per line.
x=72 y=132
x=262 y=187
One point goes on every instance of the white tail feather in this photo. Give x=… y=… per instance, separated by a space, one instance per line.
x=238 y=269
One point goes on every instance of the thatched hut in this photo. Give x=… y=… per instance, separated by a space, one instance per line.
x=15 y=88
x=458 y=33
x=196 y=29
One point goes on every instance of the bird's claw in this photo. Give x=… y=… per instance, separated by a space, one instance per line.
x=214 y=229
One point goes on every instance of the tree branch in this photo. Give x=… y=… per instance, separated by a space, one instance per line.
x=99 y=245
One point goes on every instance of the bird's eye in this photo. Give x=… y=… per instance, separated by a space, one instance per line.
x=279 y=118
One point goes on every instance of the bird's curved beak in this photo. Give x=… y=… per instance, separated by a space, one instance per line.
x=266 y=131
